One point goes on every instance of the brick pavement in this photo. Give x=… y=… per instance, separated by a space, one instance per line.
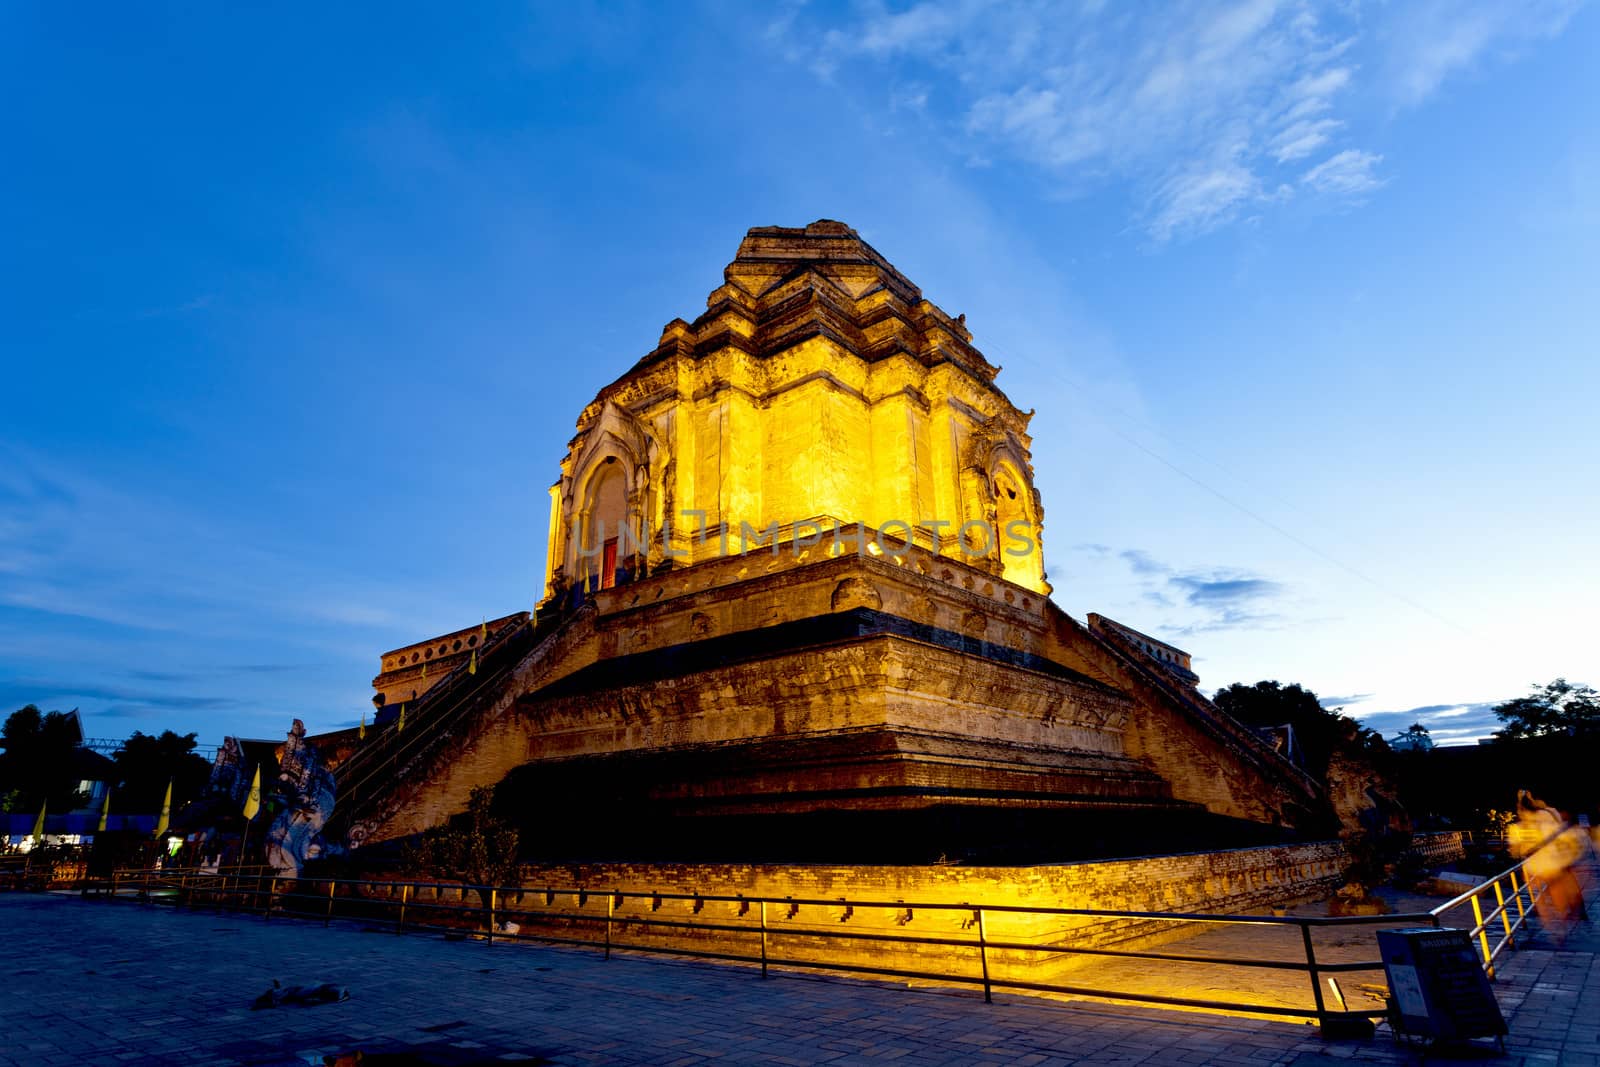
x=100 y=982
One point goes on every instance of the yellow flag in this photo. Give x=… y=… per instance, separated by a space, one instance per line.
x=483 y=631
x=252 y=803
x=166 y=811
x=105 y=812
x=472 y=666
x=361 y=733
x=38 y=824
x=400 y=723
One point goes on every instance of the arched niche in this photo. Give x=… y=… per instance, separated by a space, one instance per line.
x=605 y=530
x=604 y=499
x=1017 y=525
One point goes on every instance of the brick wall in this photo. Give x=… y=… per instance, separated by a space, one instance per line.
x=883 y=901
x=826 y=904
x=1444 y=847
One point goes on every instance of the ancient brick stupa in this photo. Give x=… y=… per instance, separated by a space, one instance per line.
x=795 y=606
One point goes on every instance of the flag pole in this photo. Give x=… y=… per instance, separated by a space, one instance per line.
x=252 y=805
x=244 y=847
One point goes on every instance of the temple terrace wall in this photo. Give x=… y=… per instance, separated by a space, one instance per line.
x=698 y=907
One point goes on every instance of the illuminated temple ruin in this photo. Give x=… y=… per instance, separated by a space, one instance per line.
x=795 y=599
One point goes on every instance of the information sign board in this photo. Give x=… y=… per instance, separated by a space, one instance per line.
x=1438 y=984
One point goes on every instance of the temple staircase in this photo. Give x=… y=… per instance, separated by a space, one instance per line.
x=430 y=723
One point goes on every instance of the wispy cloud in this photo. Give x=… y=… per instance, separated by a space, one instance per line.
x=53 y=690
x=1209 y=111
x=199 y=303
x=162 y=676
x=1202 y=199
x=1203 y=592
x=133 y=604
x=1144 y=563
x=89 y=548
x=1446 y=723
x=1427 y=41
x=1205 y=600
x=1348 y=174
x=1342 y=701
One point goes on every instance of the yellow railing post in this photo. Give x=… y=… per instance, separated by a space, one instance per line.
x=1516 y=894
x=328 y=918
x=1505 y=919
x=1483 y=935
x=763 y=939
x=611 y=904
x=405 y=891
x=492 y=894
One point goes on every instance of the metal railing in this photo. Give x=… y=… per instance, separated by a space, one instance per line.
x=978 y=944
x=26 y=871
x=445 y=907
x=1498 y=885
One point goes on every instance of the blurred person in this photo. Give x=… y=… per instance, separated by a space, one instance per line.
x=1551 y=848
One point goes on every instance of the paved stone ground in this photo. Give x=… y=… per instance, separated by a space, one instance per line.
x=103 y=982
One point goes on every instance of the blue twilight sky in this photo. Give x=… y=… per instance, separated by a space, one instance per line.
x=299 y=305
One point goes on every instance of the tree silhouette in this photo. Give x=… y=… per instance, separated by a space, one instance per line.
x=41 y=761
x=1560 y=707
x=1320 y=731
x=147 y=762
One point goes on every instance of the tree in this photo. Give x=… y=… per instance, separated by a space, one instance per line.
x=478 y=847
x=1561 y=707
x=1414 y=738
x=1319 y=731
x=147 y=762
x=41 y=761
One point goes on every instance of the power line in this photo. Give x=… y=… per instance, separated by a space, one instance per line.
x=1064 y=380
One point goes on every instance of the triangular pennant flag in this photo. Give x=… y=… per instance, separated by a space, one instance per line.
x=361 y=732
x=472 y=665
x=483 y=631
x=105 y=812
x=252 y=802
x=38 y=824
x=166 y=811
x=400 y=723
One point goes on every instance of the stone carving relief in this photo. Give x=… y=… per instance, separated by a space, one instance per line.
x=227 y=773
x=307 y=789
x=975 y=624
x=856 y=592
